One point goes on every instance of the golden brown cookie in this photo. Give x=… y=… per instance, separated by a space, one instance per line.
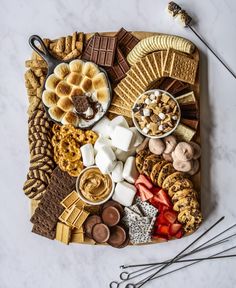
x=34 y=188
x=39 y=174
x=40 y=143
x=140 y=157
x=149 y=162
x=166 y=170
x=186 y=203
x=41 y=150
x=188 y=192
x=179 y=185
x=156 y=170
x=171 y=179
x=191 y=219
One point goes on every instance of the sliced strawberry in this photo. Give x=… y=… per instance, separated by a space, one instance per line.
x=170 y=216
x=163 y=198
x=179 y=234
x=145 y=193
x=159 y=238
x=161 y=220
x=144 y=181
x=163 y=229
x=174 y=229
x=162 y=208
x=155 y=190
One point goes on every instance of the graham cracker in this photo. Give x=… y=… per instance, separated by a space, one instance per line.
x=148 y=66
x=134 y=73
x=122 y=95
x=163 y=56
x=167 y=62
x=118 y=102
x=129 y=80
x=119 y=111
x=142 y=72
x=183 y=68
x=186 y=98
x=157 y=61
x=128 y=91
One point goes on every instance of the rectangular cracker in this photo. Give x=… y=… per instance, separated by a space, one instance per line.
x=147 y=70
x=63 y=233
x=184 y=133
x=163 y=56
x=119 y=111
x=186 y=98
x=142 y=72
x=132 y=83
x=152 y=64
x=118 y=102
x=122 y=95
x=133 y=72
x=183 y=68
x=167 y=62
x=70 y=199
x=157 y=60
x=128 y=91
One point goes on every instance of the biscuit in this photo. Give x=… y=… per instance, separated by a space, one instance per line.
x=41 y=150
x=149 y=162
x=34 y=187
x=171 y=179
x=179 y=185
x=187 y=192
x=190 y=218
x=38 y=136
x=156 y=170
x=38 y=128
x=36 y=173
x=186 y=203
x=140 y=157
x=165 y=172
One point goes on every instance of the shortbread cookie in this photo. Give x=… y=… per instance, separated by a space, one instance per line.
x=171 y=179
x=156 y=170
x=179 y=185
x=165 y=172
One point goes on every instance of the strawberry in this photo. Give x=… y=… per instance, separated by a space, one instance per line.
x=163 y=198
x=161 y=220
x=144 y=181
x=170 y=216
x=163 y=230
x=155 y=190
x=159 y=238
x=179 y=234
x=145 y=193
x=174 y=229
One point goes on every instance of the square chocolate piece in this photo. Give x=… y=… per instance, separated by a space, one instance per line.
x=126 y=41
x=103 y=50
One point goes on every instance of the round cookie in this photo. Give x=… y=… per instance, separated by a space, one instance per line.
x=33 y=188
x=179 y=185
x=39 y=174
x=38 y=136
x=41 y=150
x=42 y=166
x=197 y=150
x=156 y=146
x=40 y=143
x=188 y=192
x=186 y=203
x=183 y=166
x=140 y=157
x=195 y=167
x=170 y=142
x=42 y=158
x=38 y=128
x=166 y=170
x=40 y=122
x=191 y=219
x=171 y=179
x=38 y=114
x=156 y=170
x=149 y=162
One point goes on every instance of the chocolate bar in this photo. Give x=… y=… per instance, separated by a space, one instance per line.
x=88 y=49
x=126 y=41
x=118 y=71
x=190 y=122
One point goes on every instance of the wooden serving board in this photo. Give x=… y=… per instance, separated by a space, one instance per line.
x=196 y=88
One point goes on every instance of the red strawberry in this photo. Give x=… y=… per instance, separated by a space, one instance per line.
x=155 y=190
x=163 y=198
x=160 y=238
x=174 y=229
x=170 y=216
x=179 y=234
x=162 y=220
x=145 y=193
x=163 y=230
x=144 y=181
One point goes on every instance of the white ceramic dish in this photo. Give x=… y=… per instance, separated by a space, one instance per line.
x=136 y=123
x=85 y=199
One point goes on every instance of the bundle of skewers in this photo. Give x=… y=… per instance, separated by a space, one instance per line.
x=137 y=275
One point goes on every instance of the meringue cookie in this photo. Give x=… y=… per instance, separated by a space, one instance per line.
x=167 y=157
x=197 y=150
x=183 y=166
x=184 y=151
x=156 y=146
x=171 y=143
x=143 y=145
x=195 y=167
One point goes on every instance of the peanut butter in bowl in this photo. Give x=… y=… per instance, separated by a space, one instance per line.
x=93 y=186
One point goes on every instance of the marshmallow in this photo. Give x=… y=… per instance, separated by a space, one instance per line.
x=152 y=97
x=147 y=101
x=116 y=174
x=157 y=93
x=87 y=152
x=138 y=138
x=101 y=142
x=161 y=127
x=119 y=121
x=130 y=172
x=123 y=155
x=145 y=130
x=146 y=112
x=105 y=159
x=162 y=116
x=103 y=127
x=122 y=138
x=124 y=193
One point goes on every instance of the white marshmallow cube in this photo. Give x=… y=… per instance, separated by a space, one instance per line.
x=87 y=152
x=105 y=159
x=157 y=93
x=124 y=193
x=119 y=121
x=101 y=142
x=146 y=112
x=130 y=172
x=103 y=127
x=123 y=155
x=122 y=138
x=138 y=138
x=116 y=174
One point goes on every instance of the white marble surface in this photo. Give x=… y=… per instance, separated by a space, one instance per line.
x=29 y=261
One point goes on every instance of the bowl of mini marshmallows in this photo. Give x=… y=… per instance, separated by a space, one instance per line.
x=156 y=113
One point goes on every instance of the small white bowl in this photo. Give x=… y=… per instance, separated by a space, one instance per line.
x=136 y=123
x=85 y=199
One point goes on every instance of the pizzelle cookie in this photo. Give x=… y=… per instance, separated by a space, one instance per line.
x=171 y=179
x=156 y=170
x=166 y=170
x=179 y=185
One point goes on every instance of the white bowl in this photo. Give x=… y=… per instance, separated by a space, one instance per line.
x=85 y=199
x=136 y=123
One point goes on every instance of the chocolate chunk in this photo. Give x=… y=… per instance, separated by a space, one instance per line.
x=191 y=123
x=117 y=236
x=173 y=86
x=126 y=41
x=81 y=103
x=100 y=233
x=111 y=216
x=103 y=50
x=90 y=222
x=118 y=71
x=88 y=49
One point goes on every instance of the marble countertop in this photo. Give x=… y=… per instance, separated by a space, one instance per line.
x=29 y=261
